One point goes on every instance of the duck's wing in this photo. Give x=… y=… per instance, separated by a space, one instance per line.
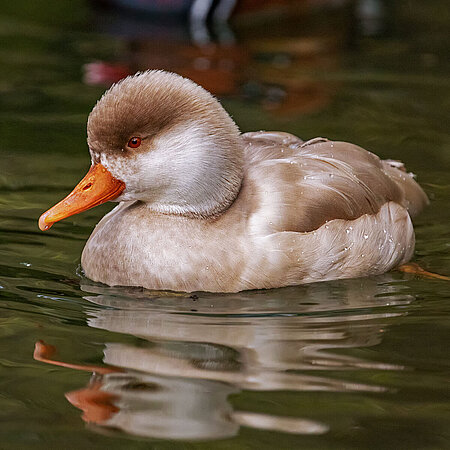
x=298 y=186
x=263 y=145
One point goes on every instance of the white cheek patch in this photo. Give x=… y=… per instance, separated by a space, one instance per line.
x=186 y=169
x=124 y=169
x=115 y=165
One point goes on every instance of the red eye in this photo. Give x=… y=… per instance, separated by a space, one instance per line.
x=134 y=142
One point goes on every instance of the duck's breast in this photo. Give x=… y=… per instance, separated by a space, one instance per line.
x=133 y=246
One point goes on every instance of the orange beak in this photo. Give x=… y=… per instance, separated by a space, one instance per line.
x=97 y=187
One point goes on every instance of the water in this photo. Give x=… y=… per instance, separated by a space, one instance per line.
x=348 y=364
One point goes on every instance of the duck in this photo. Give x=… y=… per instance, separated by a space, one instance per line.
x=204 y=207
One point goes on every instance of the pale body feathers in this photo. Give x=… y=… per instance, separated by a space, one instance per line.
x=208 y=209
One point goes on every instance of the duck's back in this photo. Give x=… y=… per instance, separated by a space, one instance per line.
x=322 y=210
x=301 y=185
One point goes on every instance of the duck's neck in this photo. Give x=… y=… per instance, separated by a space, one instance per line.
x=200 y=171
x=218 y=200
x=204 y=203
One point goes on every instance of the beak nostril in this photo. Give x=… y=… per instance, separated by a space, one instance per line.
x=88 y=186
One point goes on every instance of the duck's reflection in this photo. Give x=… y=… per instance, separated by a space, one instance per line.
x=194 y=351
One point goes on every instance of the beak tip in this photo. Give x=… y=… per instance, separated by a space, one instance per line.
x=43 y=224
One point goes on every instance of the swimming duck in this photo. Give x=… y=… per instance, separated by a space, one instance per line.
x=203 y=207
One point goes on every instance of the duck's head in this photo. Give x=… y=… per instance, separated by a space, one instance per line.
x=159 y=138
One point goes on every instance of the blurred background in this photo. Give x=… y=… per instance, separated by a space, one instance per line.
x=349 y=364
x=307 y=66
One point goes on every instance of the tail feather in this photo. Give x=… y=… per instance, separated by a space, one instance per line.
x=414 y=198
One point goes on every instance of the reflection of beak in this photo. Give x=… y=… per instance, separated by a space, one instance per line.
x=97 y=187
x=97 y=405
x=44 y=352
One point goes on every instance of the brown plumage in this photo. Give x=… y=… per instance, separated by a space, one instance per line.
x=205 y=208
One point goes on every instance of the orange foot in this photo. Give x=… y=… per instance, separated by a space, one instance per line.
x=417 y=270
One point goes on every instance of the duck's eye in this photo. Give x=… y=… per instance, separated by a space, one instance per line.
x=134 y=142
